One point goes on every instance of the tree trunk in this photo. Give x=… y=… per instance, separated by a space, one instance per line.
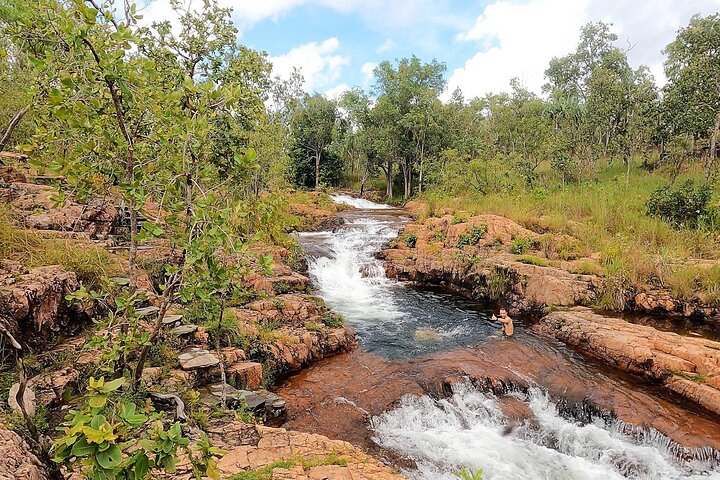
x=11 y=127
x=713 y=148
x=317 y=170
x=389 y=180
x=422 y=165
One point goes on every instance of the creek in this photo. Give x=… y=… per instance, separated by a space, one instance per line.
x=434 y=387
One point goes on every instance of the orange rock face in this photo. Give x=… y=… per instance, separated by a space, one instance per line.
x=251 y=447
x=689 y=366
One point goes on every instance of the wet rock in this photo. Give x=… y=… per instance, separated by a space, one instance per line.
x=33 y=305
x=663 y=302
x=197 y=358
x=17 y=461
x=28 y=399
x=690 y=366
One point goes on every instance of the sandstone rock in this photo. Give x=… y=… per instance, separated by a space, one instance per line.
x=690 y=366
x=33 y=305
x=17 y=461
x=49 y=387
x=245 y=375
x=251 y=447
x=10 y=175
x=197 y=358
x=28 y=399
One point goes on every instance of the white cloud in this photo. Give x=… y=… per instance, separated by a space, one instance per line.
x=368 y=70
x=337 y=91
x=386 y=46
x=519 y=39
x=319 y=63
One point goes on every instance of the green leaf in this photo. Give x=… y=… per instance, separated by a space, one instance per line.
x=97 y=401
x=110 y=458
x=113 y=385
x=142 y=466
x=82 y=448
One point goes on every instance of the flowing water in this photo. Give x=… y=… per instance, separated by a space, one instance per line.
x=408 y=335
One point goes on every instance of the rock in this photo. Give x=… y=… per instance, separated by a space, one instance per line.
x=170 y=320
x=184 y=329
x=426 y=335
x=17 y=462
x=689 y=366
x=148 y=311
x=10 y=175
x=50 y=387
x=97 y=218
x=197 y=358
x=34 y=305
x=28 y=399
x=251 y=447
x=247 y=375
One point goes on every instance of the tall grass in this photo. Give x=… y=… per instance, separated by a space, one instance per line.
x=606 y=214
x=88 y=261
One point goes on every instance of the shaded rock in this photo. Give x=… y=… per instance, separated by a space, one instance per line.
x=689 y=366
x=17 y=461
x=33 y=305
x=148 y=311
x=171 y=320
x=197 y=358
x=10 y=175
x=50 y=387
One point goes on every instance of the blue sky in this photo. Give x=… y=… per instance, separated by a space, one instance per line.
x=485 y=43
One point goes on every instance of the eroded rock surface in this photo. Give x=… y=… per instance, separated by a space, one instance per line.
x=689 y=366
x=252 y=447
x=33 y=304
x=17 y=462
x=486 y=270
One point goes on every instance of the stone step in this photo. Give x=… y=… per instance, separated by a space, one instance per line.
x=182 y=330
x=246 y=375
x=197 y=358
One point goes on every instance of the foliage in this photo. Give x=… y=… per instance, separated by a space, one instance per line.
x=521 y=244
x=687 y=205
x=411 y=240
x=469 y=474
x=472 y=236
x=98 y=437
x=531 y=260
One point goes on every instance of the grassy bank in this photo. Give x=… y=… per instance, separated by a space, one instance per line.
x=608 y=221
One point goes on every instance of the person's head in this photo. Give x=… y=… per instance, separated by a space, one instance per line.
x=503 y=312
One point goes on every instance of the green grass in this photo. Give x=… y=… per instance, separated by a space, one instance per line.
x=531 y=260
x=604 y=214
x=697 y=378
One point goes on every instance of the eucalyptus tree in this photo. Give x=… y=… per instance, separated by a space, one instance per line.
x=408 y=97
x=693 y=90
x=313 y=128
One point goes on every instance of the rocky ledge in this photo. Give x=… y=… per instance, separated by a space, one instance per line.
x=17 y=460
x=689 y=366
x=288 y=455
x=474 y=256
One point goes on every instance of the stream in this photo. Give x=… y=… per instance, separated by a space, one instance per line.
x=410 y=392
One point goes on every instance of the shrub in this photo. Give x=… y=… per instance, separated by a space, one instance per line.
x=333 y=320
x=472 y=236
x=687 y=206
x=498 y=283
x=411 y=240
x=521 y=244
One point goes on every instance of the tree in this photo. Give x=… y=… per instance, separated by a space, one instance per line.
x=409 y=106
x=693 y=72
x=313 y=126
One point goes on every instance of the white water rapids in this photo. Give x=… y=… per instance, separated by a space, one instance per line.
x=466 y=430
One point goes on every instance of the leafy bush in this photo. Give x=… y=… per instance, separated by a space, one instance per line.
x=522 y=244
x=687 y=206
x=472 y=236
x=411 y=240
x=333 y=320
x=469 y=474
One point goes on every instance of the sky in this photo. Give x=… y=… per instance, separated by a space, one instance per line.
x=484 y=43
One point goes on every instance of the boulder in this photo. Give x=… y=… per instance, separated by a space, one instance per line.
x=183 y=330
x=17 y=462
x=246 y=375
x=689 y=366
x=33 y=305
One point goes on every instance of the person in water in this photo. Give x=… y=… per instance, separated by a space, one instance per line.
x=508 y=327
